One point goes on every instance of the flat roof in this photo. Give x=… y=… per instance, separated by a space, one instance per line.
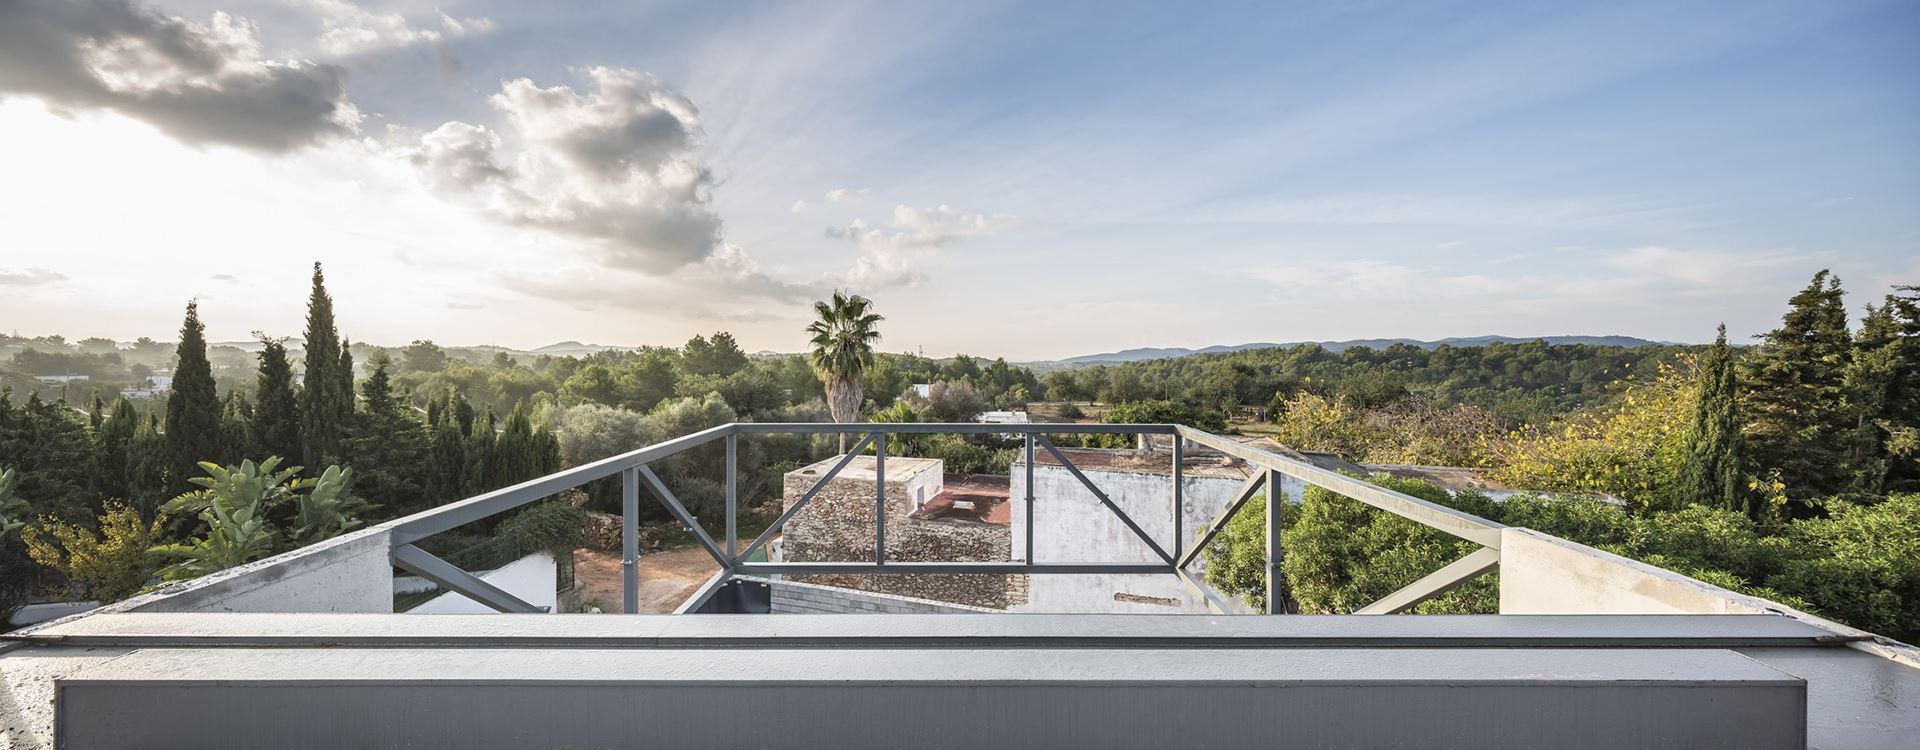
x=969 y=498
x=899 y=468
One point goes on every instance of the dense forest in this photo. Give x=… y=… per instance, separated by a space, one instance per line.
x=107 y=483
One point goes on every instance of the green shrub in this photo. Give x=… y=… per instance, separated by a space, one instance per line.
x=1341 y=554
x=554 y=525
x=1860 y=565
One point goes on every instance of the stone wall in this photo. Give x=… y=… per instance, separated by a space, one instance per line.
x=837 y=526
x=794 y=597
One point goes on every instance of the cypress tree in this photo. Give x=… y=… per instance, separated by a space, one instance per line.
x=324 y=407
x=346 y=374
x=111 y=443
x=276 y=418
x=1870 y=380
x=449 y=454
x=236 y=424
x=146 y=468
x=1712 y=475
x=477 y=473
x=1796 y=382
x=515 y=457
x=193 y=408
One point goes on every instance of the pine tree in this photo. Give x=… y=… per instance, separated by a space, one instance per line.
x=193 y=408
x=276 y=418
x=1796 y=383
x=1900 y=416
x=387 y=447
x=324 y=407
x=1712 y=475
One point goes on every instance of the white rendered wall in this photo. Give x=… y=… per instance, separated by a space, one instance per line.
x=1072 y=525
x=532 y=578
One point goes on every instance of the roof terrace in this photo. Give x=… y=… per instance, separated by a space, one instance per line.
x=1589 y=649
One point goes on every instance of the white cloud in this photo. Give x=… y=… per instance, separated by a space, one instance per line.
x=837 y=195
x=800 y=207
x=1374 y=279
x=1703 y=268
x=29 y=277
x=889 y=253
x=618 y=167
x=349 y=29
x=199 y=82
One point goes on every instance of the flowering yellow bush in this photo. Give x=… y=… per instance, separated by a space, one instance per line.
x=1631 y=448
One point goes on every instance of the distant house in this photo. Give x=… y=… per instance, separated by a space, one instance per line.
x=923 y=390
x=59 y=378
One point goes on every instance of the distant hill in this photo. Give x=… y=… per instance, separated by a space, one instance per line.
x=1137 y=355
x=576 y=349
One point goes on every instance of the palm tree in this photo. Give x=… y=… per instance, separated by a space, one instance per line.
x=843 y=339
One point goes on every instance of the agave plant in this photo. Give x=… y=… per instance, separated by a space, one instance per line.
x=329 y=508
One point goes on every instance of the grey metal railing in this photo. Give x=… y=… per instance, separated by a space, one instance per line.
x=634 y=470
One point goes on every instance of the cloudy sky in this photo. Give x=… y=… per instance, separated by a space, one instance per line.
x=1034 y=181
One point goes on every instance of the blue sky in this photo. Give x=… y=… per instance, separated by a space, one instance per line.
x=1029 y=180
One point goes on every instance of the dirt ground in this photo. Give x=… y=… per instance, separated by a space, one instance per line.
x=666 y=578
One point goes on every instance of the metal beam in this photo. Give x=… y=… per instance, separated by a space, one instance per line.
x=1124 y=518
x=733 y=495
x=880 y=498
x=1216 y=603
x=963 y=428
x=863 y=568
x=1240 y=498
x=686 y=519
x=453 y=515
x=1029 y=497
x=1442 y=518
x=450 y=577
x=630 y=541
x=1275 y=499
x=1436 y=583
x=1179 y=504
x=761 y=540
x=714 y=584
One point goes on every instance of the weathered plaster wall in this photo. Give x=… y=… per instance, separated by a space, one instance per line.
x=348 y=573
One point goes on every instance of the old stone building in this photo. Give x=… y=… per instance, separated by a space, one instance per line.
x=930 y=516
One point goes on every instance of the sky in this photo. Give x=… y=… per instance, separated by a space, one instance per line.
x=1033 y=181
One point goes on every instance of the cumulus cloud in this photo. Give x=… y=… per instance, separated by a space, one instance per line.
x=199 y=82
x=30 y=277
x=837 y=195
x=890 y=252
x=800 y=207
x=617 y=166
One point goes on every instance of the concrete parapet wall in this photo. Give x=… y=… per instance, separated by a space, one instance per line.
x=1541 y=574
